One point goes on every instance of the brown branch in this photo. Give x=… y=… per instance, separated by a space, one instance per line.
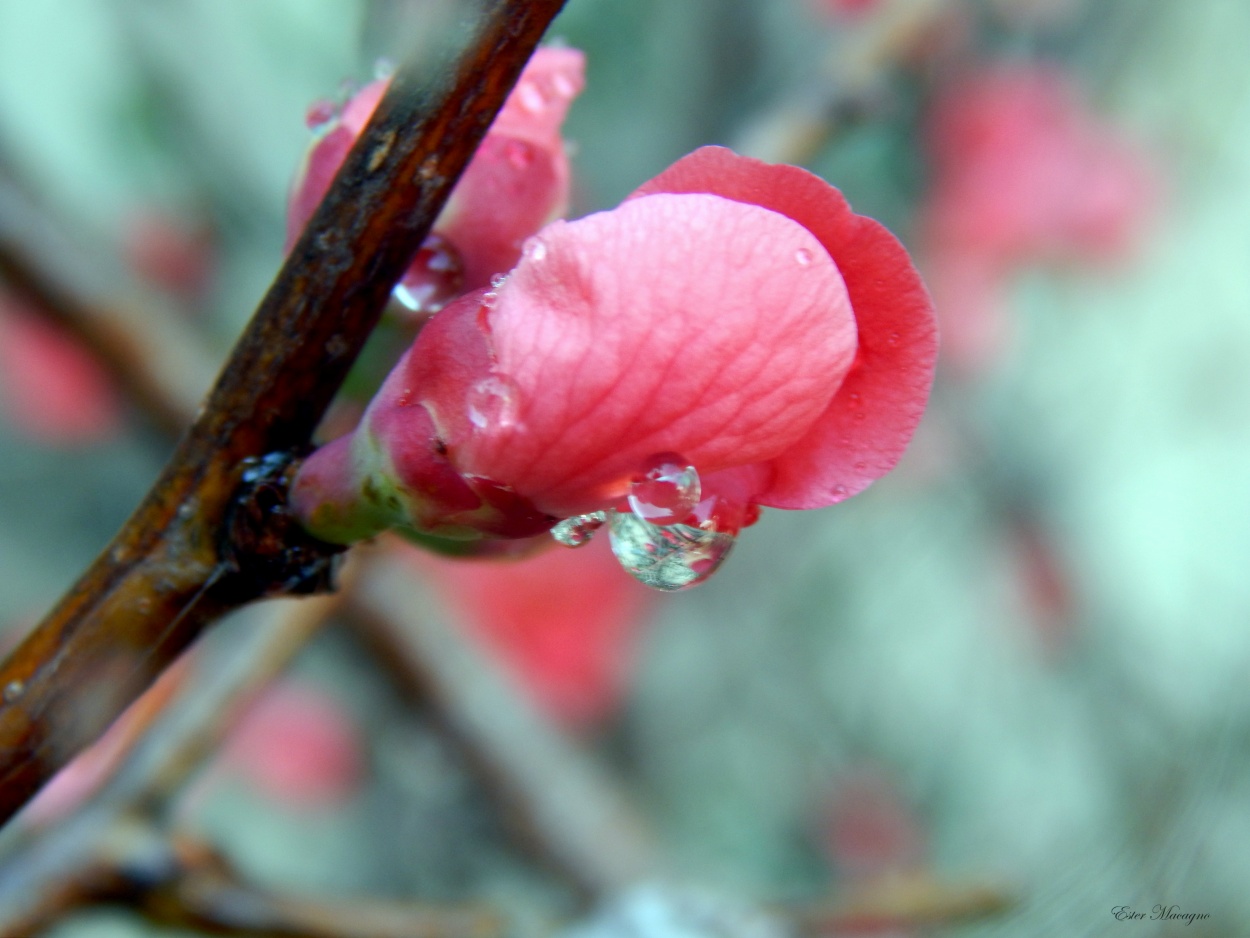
x=561 y=801
x=179 y=562
x=74 y=861
x=904 y=902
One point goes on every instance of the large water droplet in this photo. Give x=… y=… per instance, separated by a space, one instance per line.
x=665 y=490
x=493 y=404
x=672 y=557
x=578 y=530
x=434 y=279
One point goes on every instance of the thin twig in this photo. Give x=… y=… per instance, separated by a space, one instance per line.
x=133 y=333
x=172 y=568
x=794 y=129
x=564 y=803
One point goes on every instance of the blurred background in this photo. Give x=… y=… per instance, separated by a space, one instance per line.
x=1008 y=681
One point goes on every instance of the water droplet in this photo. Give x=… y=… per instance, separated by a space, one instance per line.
x=489 y=298
x=434 y=279
x=320 y=113
x=672 y=557
x=860 y=416
x=861 y=466
x=530 y=98
x=498 y=280
x=383 y=69
x=519 y=153
x=665 y=490
x=856 y=398
x=839 y=490
x=892 y=339
x=803 y=256
x=492 y=404
x=535 y=249
x=578 y=530
x=13 y=690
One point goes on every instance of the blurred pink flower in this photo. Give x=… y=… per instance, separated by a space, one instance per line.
x=170 y=253
x=1023 y=173
x=50 y=386
x=562 y=622
x=297 y=745
x=870 y=830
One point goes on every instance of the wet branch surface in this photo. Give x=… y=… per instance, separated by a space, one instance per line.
x=211 y=535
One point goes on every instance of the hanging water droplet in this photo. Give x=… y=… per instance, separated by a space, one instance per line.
x=493 y=404
x=320 y=113
x=673 y=557
x=803 y=256
x=665 y=490
x=498 y=280
x=578 y=530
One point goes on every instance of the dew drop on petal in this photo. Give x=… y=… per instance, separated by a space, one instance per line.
x=519 y=153
x=671 y=557
x=493 y=404
x=803 y=256
x=489 y=298
x=434 y=279
x=665 y=490
x=320 y=113
x=892 y=339
x=530 y=98
x=535 y=249
x=578 y=530
x=498 y=280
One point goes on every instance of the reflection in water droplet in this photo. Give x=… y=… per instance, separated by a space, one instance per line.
x=493 y=403
x=665 y=490
x=498 y=280
x=489 y=298
x=673 y=557
x=803 y=256
x=578 y=530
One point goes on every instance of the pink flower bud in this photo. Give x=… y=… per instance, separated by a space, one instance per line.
x=517 y=181
x=732 y=314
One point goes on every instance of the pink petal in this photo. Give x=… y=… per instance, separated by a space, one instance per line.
x=675 y=323
x=867 y=425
